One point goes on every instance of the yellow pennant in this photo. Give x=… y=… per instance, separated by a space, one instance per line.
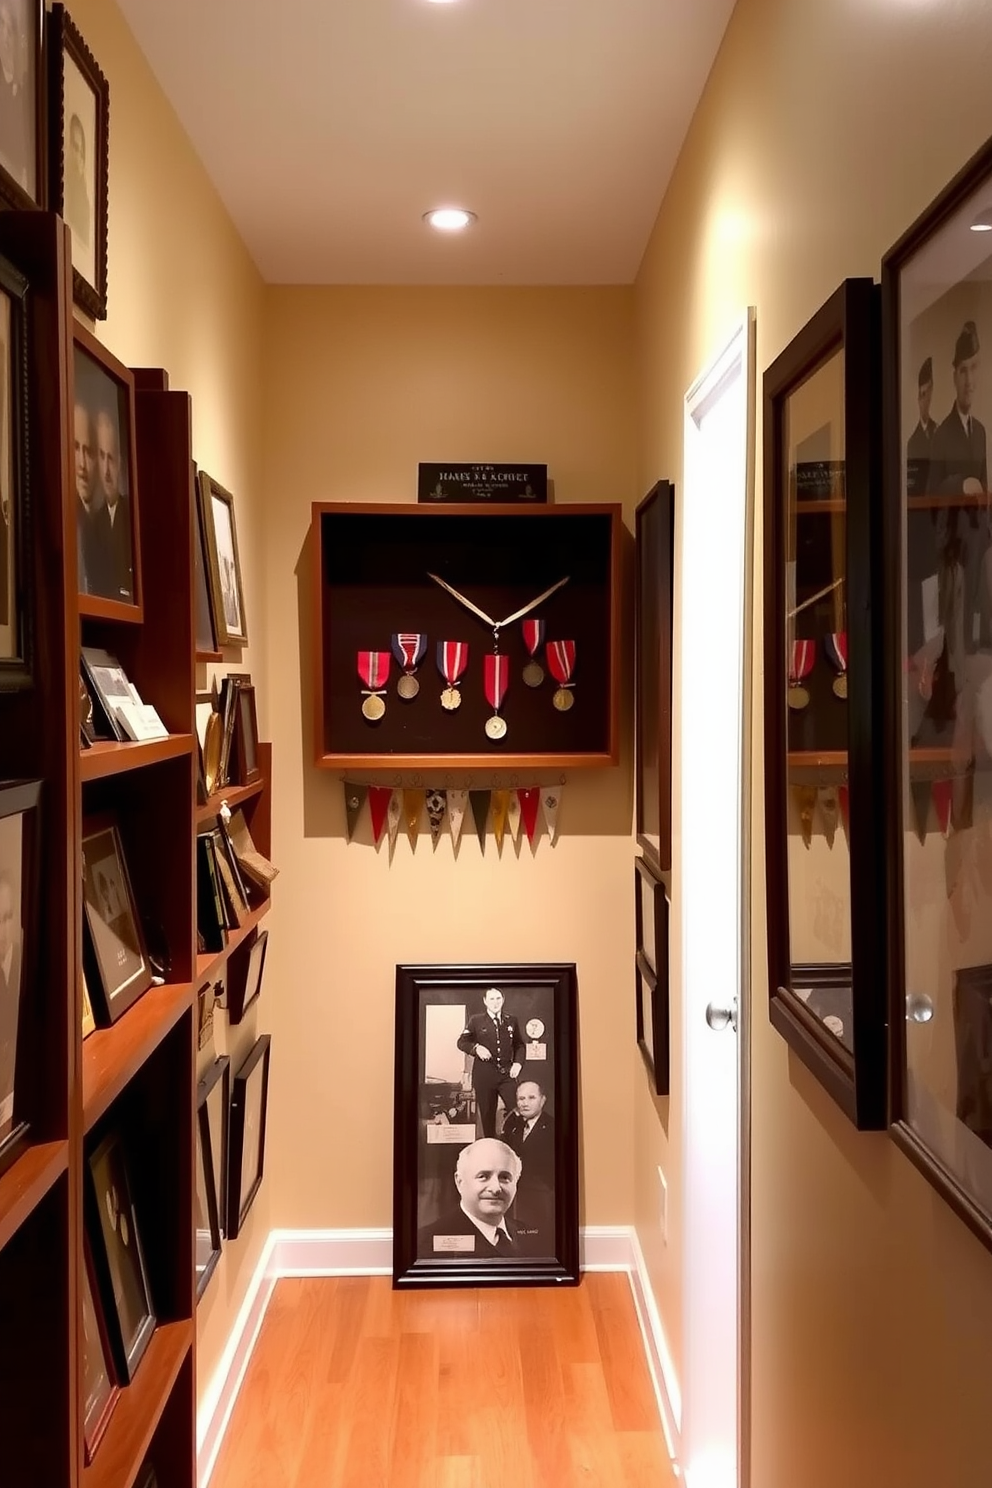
x=501 y=802
x=413 y=800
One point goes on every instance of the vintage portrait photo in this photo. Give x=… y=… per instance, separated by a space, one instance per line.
x=102 y=464
x=11 y=941
x=19 y=22
x=223 y=562
x=79 y=200
x=122 y=1249
x=112 y=922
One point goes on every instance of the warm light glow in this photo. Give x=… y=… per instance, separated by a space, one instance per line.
x=449 y=219
x=983 y=222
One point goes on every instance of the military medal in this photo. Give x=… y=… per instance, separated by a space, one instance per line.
x=561 y=664
x=452 y=659
x=533 y=636
x=497 y=674
x=835 y=646
x=803 y=657
x=373 y=669
x=408 y=647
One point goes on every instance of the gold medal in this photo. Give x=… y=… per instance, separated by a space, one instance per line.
x=451 y=699
x=407 y=687
x=840 y=685
x=798 y=697
x=563 y=700
x=496 y=727
x=533 y=674
x=373 y=708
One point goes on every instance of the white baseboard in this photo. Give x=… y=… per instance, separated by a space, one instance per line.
x=370 y=1253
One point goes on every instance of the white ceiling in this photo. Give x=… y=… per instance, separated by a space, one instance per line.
x=330 y=126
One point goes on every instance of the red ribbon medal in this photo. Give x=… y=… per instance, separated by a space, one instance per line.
x=533 y=636
x=561 y=663
x=497 y=675
x=836 y=648
x=800 y=666
x=373 y=669
x=452 y=659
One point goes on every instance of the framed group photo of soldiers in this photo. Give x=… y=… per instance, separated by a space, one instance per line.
x=485 y=1126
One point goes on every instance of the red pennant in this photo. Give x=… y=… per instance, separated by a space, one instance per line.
x=379 y=797
x=845 y=807
x=942 y=802
x=530 y=800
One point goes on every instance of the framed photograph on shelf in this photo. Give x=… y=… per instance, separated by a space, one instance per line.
x=485 y=1131
x=79 y=155
x=651 y=973
x=246 y=1152
x=203 y=615
x=217 y=1082
x=118 y=1256
x=246 y=766
x=20 y=848
x=653 y=598
x=223 y=562
x=16 y=582
x=206 y=1193
x=118 y=970
x=100 y=1393
x=22 y=126
x=105 y=473
x=244 y=976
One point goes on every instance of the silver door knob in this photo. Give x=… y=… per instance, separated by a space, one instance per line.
x=720 y=1016
x=919 y=1008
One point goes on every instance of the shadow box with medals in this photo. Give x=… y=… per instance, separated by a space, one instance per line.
x=485 y=1130
x=466 y=635
x=825 y=854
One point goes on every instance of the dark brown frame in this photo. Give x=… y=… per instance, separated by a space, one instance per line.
x=206 y=643
x=93 y=1429
x=239 y=1203
x=109 y=1004
x=653 y=983
x=244 y=986
x=974 y=174
x=208 y=488
x=849 y=322
x=244 y=773
x=654 y=542
x=23 y=798
x=17 y=672
x=414 y=987
x=95 y=605
x=127 y=1353
x=12 y=193
x=64 y=38
x=204 y=1157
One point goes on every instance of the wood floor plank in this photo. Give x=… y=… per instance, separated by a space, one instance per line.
x=413 y=1444
x=370 y=1403
x=621 y=1350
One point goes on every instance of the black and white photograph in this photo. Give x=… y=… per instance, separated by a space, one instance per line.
x=223 y=562
x=205 y=635
x=20 y=50
x=15 y=504
x=18 y=910
x=78 y=140
x=485 y=1180
x=119 y=971
x=246 y=1149
x=103 y=470
x=118 y=1255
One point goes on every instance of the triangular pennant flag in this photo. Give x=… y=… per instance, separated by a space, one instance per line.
x=500 y=801
x=550 y=804
x=826 y=799
x=920 y=792
x=844 y=800
x=513 y=815
x=394 y=813
x=805 y=799
x=962 y=801
x=354 y=800
x=436 y=807
x=941 y=790
x=413 y=801
x=479 y=801
x=457 y=804
x=380 y=797
x=529 y=801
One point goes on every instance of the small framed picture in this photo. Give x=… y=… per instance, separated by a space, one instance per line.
x=79 y=154
x=651 y=973
x=105 y=471
x=119 y=970
x=16 y=584
x=19 y=865
x=223 y=561
x=207 y=1194
x=653 y=599
x=246 y=765
x=218 y=1109
x=118 y=1256
x=246 y=1160
x=100 y=1393
x=205 y=634
x=244 y=979
x=485 y=1136
x=22 y=176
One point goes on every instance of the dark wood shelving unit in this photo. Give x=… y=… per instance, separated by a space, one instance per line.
x=24 y=1185
x=208 y=965
x=112 y=1056
x=140 y=1408
x=233 y=795
x=110 y=758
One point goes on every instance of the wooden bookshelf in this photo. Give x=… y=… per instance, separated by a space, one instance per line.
x=112 y=1056
x=111 y=758
x=140 y=1408
x=24 y=1185
x=232 y=795
x=208 y=965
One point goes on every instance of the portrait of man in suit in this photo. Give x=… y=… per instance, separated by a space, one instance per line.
x=958 y=458
x=496 y=1044
x=530 y=1131
x=486 y=1175
x=920 y=443
x=113 y=521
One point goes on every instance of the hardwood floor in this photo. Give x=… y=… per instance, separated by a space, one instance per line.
x=353 y=1385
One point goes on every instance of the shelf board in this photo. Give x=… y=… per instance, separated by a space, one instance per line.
x=209 y=656
x=112 y=1055
x=234 y=795
x=940 y=502
x=110 y=758
x=208 y=963
x=538 y=767
x=26 y=1183
x=828 y=504
x=139 y=1409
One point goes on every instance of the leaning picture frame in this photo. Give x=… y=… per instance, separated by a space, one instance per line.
x=244 y=976
x=485 y=1126
x=79 y=156
x=654 y=526
x=651 y=974
x=22 y=107
x=20 y=1037
x=223 y=562
x=105 y=472
x=206 y=1196
x=118 y=1255
x=117 y=968
x=246 y=1133
x=100 y=1391
x=16 y=514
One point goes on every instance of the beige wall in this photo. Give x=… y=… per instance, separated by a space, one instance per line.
x=360 y=385
x=824 y=130
x=184 y=295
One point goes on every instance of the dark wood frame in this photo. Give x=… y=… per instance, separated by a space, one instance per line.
x=127 y=1354
x=653 y=982
x=848 y=322
x=18 y=671
x=220 y=1072
x=208 y=488
x=239 y=1203
x=242 y=988
x=12 y=193
x=23 y=798
x=976 y=173
x=414 y=985
x=108 y=1005
x=204 y=1157
x=95 y=605
x=654 y=538
x=245 y=774
x=93 y=1430
x=63 y=37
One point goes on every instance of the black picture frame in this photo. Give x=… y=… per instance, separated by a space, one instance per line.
x=100 y=1391
x=118 y=1255
x=218 y=1110
x=442 y=1088
x=654 y=542
x=21 y=1039
x=246 y=767
x=16 y=511
x=117 y=967
x=223 y=562
x=651 y=974
x=246 y=968
x=819 y=519
x=105 y=474
x=246 y=1133
x=22 y=141
x=936 y=288
x=79 y=156
x=205 y=632
x=206 y=1192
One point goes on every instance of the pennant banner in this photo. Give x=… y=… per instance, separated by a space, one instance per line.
x=394 y=813
x=920 y=792
x=529 y=803
x=500 y=806
x=550 y=805
x=514 y=816
x=479 y=801
x=826 y=800
x=844 y=798
x=436 y=807
x=941 y=790
x=805 y=799
x=962 y=801
x=354 y=800
x=413 y=800
x=380 y=797
x=457 y=802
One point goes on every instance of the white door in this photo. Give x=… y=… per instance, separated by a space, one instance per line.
x=717 y=536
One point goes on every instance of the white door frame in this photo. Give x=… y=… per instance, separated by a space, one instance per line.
x=717 y=1280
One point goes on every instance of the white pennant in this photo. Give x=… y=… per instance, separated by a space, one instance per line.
x=514 y=816
x=550 y=802
x=394 y=815
x=457 y=806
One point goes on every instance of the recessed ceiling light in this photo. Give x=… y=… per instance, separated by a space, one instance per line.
x=983 y=222
x=449 y=219
x=440 y=2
